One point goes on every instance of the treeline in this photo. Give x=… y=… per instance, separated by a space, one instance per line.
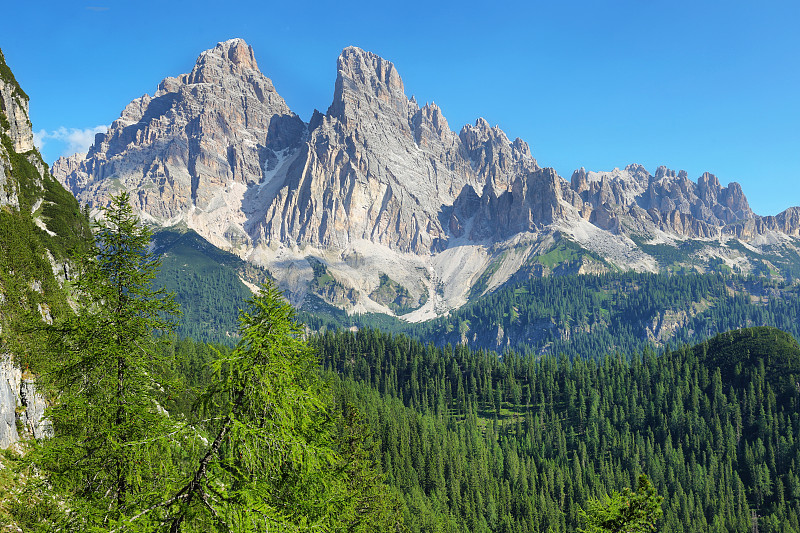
x=480 y=443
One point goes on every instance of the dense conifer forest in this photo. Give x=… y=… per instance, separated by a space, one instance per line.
x=474 y=442
x=469 y=441
x=422 y=428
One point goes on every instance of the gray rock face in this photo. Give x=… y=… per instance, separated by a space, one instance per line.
x=379 y=168
x=494 y=157
x=16 y=131
x=191 y=150
x=33 y=416
x=531 y=202
x=219 y=148
x=786 y=222
x=10 y=377
x=668 y=201
x=14 y=125
x=20 y=402
x=14 y=109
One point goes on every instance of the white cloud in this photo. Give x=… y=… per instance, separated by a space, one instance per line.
x=73 y=140
x=38 y=139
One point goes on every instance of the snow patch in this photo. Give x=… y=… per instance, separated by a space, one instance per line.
x=283 y=156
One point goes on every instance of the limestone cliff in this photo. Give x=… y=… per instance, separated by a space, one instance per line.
x=39 y=223
x=21 y=406
x=634 y=199
x=219 y=149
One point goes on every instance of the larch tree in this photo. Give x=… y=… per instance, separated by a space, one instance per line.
x=271 y=451
x=109 y=451
x=279 y=456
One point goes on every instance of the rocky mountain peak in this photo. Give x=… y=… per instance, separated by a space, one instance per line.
x=522 y=147
x=494 y=156
x=428 y=119
x=380 y=176
x=579 y=181
x=368 y=70
x=708 y=180
x=239 y=52
x=234 y=57
x=664 y=172
x=200 y=141
x=362 y=75
x=635 y=169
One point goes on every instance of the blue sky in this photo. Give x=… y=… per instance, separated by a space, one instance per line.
x=700 y=86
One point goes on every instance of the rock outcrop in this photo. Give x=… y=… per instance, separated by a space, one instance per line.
x=21 y=406
x=15 y=128
x=14 y=110
x=10 y=377
x=667 y=201
x=530 y=203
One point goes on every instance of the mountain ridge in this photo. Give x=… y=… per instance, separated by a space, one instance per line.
x=379 y=177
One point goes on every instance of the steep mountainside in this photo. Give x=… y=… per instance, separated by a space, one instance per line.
x=589 y=316
x=380 y=188
x=40 y=224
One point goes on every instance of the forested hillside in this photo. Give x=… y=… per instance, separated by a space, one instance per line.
x=41 y=227
x=41 y=224
x=149 y=434
x=591 y=315
x=208 y=283
x=577 y=314
x=480 y=443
